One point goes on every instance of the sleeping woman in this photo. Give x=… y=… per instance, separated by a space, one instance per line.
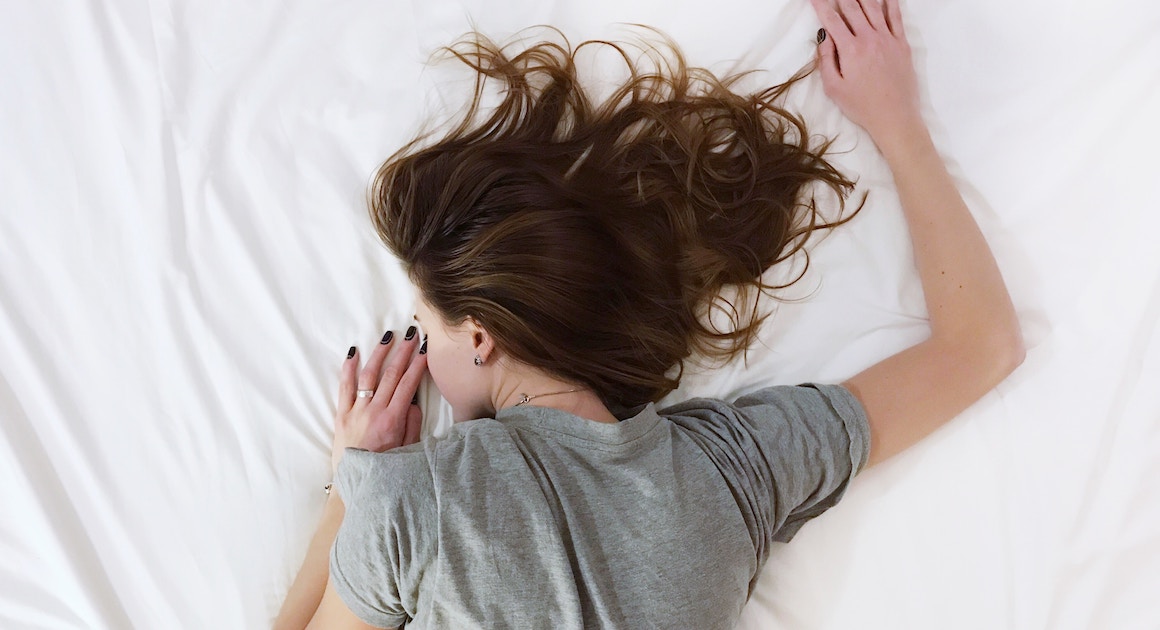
x=566 y=256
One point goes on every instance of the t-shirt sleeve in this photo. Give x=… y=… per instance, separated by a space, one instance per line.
x=387 y=538
x=788 y=453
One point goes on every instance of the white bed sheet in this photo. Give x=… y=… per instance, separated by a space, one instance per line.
x=185 y=257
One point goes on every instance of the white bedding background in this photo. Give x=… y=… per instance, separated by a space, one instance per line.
x=185 y=258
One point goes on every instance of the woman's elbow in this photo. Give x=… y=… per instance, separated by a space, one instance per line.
x=989 y=356
x=1005 y=353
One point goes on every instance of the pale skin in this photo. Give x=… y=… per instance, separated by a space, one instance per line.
x=974 y=343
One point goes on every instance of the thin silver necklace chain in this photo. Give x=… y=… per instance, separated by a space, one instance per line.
x=524 y=398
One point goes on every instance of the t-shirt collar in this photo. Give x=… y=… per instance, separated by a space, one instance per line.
x=548 y=418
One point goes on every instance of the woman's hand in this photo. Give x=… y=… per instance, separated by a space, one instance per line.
x=391 y=416
x=866 y=66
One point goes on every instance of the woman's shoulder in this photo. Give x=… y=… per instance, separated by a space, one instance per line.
x=419 y=461
x=774 y=411
x=363 y=472
x=773 y=396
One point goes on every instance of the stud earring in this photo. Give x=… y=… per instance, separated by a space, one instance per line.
x=478 y=361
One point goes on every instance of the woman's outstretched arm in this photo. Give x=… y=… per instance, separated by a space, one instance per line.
x=975 y=339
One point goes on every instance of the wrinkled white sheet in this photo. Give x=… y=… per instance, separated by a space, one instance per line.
x=185 y=257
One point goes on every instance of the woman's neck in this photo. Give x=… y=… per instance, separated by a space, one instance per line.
x=546 y=391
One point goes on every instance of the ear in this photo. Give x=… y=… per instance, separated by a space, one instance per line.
x=482 y=343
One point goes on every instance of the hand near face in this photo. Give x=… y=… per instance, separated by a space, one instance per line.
x=377 y=405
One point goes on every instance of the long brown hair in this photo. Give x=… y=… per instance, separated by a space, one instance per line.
x=591 y=240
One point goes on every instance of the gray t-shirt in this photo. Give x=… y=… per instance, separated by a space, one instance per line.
x=542 y=519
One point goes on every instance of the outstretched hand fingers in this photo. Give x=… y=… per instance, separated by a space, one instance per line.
x=894 y=18
x=854 y=17
x=844 y=20
x=866 y=65
x=836 y=28
x=828 y=59
x=875 y=14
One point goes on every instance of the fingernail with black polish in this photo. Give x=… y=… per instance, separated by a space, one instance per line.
x=350 y=353
x=423 y=348
x=387 y=337
x=411 y=333
x=821 y=35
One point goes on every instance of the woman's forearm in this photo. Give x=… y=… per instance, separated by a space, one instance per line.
x=306 y=592
x=975 y=340
x=966 y=297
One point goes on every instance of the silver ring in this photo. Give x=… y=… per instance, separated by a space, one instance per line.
x=366 y=393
